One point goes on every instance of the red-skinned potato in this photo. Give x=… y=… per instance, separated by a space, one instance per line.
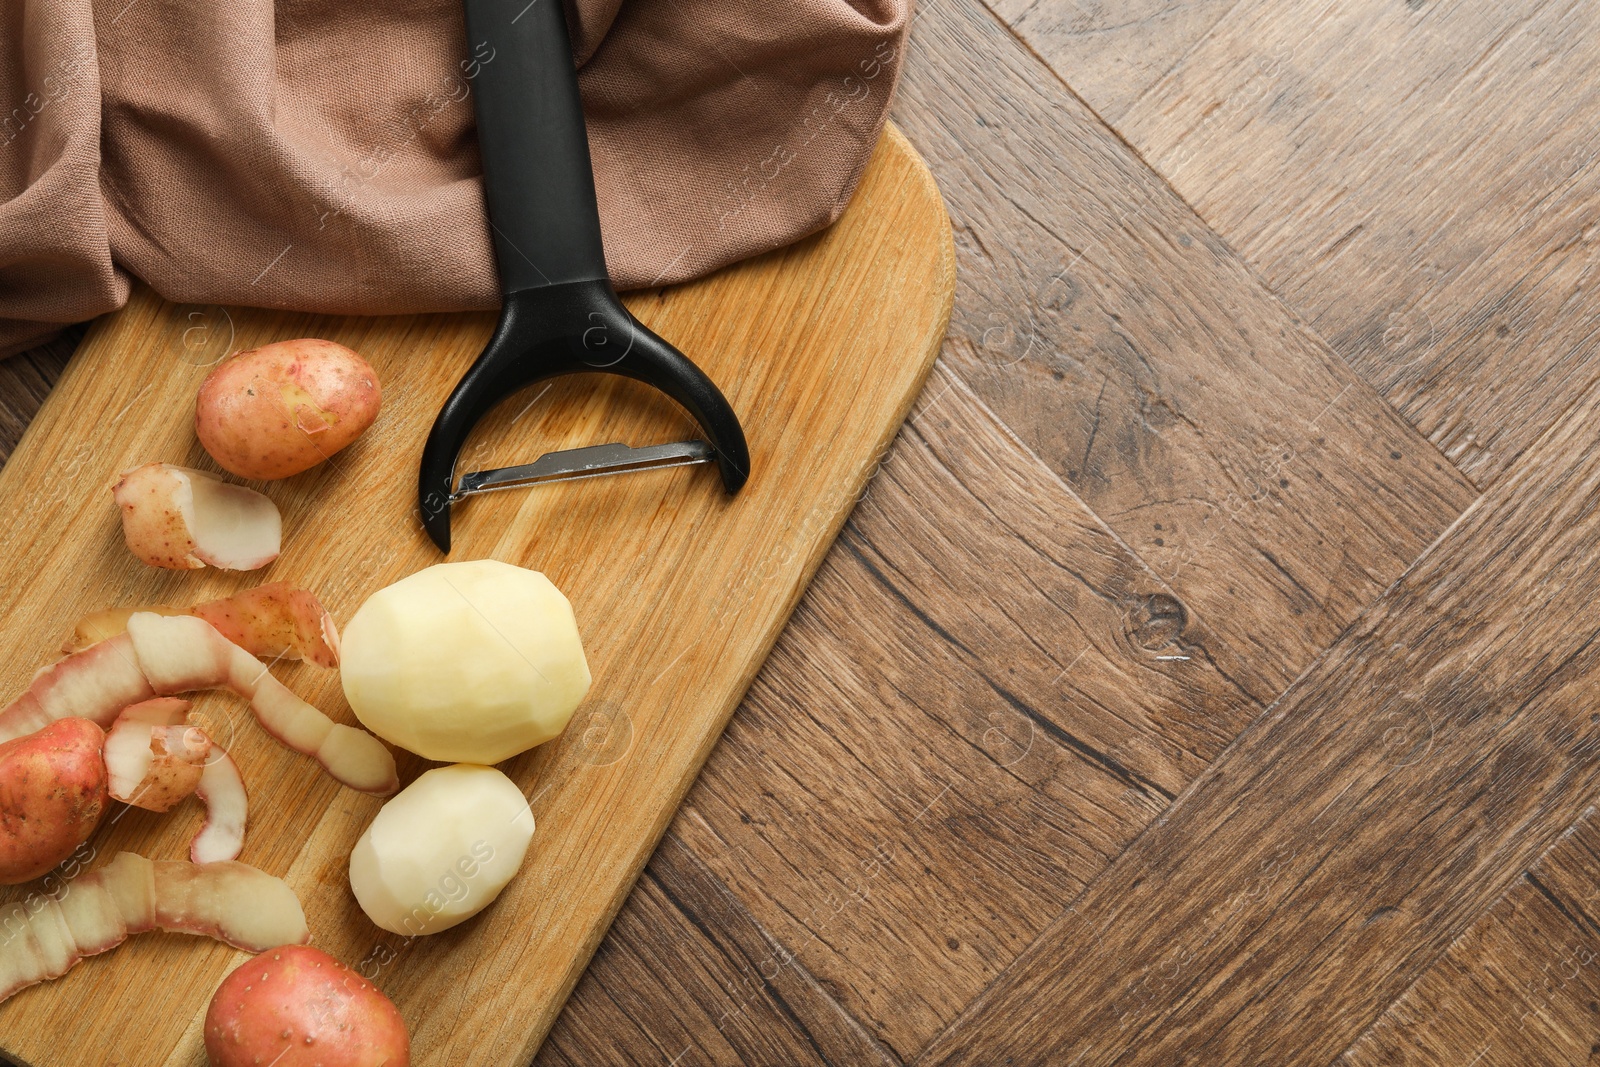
x=297 y=1006
x=280 y=409
x=52 y=795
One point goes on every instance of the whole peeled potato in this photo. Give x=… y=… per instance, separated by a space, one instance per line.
x=297 y=1006
x=52 y=794
x=465 y=662
x=441 y=850
x=283 y=408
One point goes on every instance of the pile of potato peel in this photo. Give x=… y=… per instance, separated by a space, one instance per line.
x=465 y=663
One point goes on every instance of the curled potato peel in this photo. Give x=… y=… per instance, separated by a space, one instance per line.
x=156 y=755
x=273 y=621
x=183 y=519
x=166 y=655
x=231 y=902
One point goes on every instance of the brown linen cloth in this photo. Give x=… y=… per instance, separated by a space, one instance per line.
x=321 y=155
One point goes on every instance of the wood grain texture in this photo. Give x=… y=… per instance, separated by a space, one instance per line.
x=1319 y=866
x=1111 y=52
x=25 y=380
x=1136 y=354
x=979 y=705
x=1419 y=180
x=763 y=1005
x=982 y=699
x=927 y=771
x=1521 y=986
x=679 y=591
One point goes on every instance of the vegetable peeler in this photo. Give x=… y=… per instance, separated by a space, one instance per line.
x=560 y=314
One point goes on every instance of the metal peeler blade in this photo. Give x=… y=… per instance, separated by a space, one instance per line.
x=592 y=461
x=559 y=314
x=572 y=328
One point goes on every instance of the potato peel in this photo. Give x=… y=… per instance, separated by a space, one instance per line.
x=166 y=655
x=179 y=518
x=273 y=621
x=230 y=902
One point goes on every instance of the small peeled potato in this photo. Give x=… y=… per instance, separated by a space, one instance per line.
x=297 y=1006
x=283 y=408
x=441 y=849
x=465 y=662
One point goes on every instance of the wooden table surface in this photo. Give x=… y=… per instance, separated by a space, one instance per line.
x=1209 y=674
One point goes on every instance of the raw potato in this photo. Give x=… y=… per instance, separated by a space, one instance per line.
x=152 y=757
x=52 y=795
x=465 y=662
x=441 y=849
x=299 y=1007
x=283 y=408
x=182 y=519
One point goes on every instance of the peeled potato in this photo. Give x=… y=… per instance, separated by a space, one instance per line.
x=465 y=662
x=283 y=408
x=441 y=849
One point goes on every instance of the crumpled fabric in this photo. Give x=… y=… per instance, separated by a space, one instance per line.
x=321 y=155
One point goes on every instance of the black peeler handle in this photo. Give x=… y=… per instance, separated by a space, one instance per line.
x=537 y=177
x=560 y=314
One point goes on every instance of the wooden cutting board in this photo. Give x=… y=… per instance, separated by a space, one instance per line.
x=679 y=590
